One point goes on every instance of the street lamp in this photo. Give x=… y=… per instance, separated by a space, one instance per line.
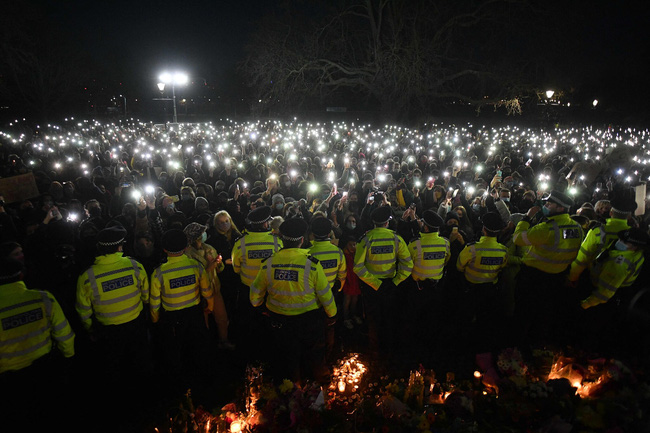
x=178 y=78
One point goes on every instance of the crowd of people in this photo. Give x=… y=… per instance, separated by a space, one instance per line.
x=154 y=249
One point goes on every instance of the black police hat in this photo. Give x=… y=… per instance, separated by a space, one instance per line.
x=381 y=215
x=635 y=236
x=10 y=269
x=260 y=215
x=432 y=219
x=623 y=201
x=492 y=221
x=321 y=226
x=111 y=236
x=560 y=198
x=174 y=241
x=293 y=229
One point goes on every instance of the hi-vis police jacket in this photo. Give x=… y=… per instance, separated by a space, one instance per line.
x=598 y=239
x=552 y=244
x=430 y=254
x=382 y=254
x=114 y=287
x=616 y=269
x=249 y=251
x=332 y=260
x=482 y=261
x=293 y=283
x=30 y=320
x=179 y=284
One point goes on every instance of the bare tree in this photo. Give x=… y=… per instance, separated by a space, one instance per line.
x=401 y=55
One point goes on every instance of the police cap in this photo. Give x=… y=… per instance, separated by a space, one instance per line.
x=492 y=221
x=174 y=241
x=623 y=201
x=293 y=229
x=111 y=236
x=432 y=219
x=560 y=198
x=10 y=269
x=381 y=215
x=260 y=215
x=321 y=227
x=634 y=236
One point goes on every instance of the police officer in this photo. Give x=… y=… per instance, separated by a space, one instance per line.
x=481 y=263
x=257 y=244
x=382 y=261
x=292 y=287
x=614 y=270
x=424 y=312
x=180 y=286
x=32 y=324
x=603 y=236
x=552 y=245
x=113 y=291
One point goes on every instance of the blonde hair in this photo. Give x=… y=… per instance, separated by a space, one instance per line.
x=233 y=226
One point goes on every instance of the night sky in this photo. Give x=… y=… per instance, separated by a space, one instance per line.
x=596 y=46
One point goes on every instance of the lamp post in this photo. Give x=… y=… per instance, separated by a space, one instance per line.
x=178 y=78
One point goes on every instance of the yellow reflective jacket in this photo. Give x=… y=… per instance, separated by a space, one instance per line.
x=179 y=284
x=482 y=261
x=332 y=260
x=292 y=282
x=430 y=254
x=618 y=269
x=114 y=288
x=249 y=251
x=552 y=244
x=597 y=240
x=382 y=254
x=30 y=320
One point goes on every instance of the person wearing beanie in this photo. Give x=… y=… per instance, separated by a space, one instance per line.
x=293 y=287
x=602 y=236
x=34 y=328
x=208 y=257
x=257 y=244
x=382 y=261
x=180 y=287
x=481 y=262
x=552 y=245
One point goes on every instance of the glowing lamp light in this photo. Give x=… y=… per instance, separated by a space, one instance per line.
x=594 y=103
x=477 y=374
x=573 y=191
x=136 y=194
x=549 y=94
x=313 y=187
x=235 y=427
x=149 y=189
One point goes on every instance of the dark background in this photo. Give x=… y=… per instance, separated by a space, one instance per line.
x=93 y=52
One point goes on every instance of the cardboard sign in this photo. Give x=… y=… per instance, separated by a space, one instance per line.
x=18 y=188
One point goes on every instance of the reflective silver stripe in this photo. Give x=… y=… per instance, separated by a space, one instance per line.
x=252 y=268
x=154 y=298
x=61 y=325
x=250 y=244
x=133 y=294
x=47 y=302
x=418 y=247
x=269 y=273
x=93 y=283
x=106 y=274
x=585 y=252
x=427 y=275
x=22 y=304
x=289 y=293
x=432 y=267
x=179 y=304
x=274 y=301
x=305 y=276
x=136 y=269
x=181 y=294
x=119 y=313
x=524 y=237
x=380 y=262
x=330 y=300
x=28 y=350
x=578 y=262
x=18 y=339
x=554 y=249
x=182 y=268
x=473 y=278
x=381 y=240
x=601 y=296
x=320 y=253
x=66 y=337
x=160 y=277
x=544 y=259
x=498 y=250
x=471 y=266
x=84 y=307
x=441 y=246
x=391 y=271
x=605 y=285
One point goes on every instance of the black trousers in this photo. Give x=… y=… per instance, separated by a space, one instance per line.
x=300 y=344
x=382 y=312
x=421 y=318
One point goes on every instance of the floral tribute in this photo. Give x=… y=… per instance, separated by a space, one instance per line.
x=549 y=392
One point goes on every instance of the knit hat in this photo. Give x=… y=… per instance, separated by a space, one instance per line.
x=321 y=227
x=293 y=229
x=193 y=231
x=174 y=241
x=111 y=236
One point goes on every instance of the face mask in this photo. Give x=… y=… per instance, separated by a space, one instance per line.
x=224 y=226
x=546 y=211
x=186 y=197
x=352 y=226
x=476 y=207
x=620 y=245
x=506 y=199
x=287 y=184
x=279 y=206
x=204 y=237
